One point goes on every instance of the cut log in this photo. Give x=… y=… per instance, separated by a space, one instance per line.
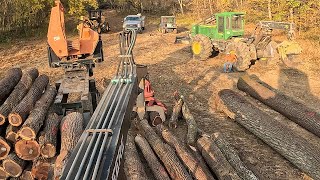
x=27 y=174
x=48 y=137
x=34 y=122
x=3 y=173
x=290 y=108
x=4 y=148
x=71 y=129
x=155 y=118
x=11 y=133
x=20 y=90
x=232 y=156
x=158 y=170
x=170 y=160
x=192 y=125
x=13 y=165
x=216 y=160
x=279 y=136
x=133 y=167
x=27 y=149
x=22 y=110
x=198 y=170
x=42 y=168
x=173 y=122
x=9 y=82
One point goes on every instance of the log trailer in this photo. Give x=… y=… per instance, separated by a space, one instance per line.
x=224 y=32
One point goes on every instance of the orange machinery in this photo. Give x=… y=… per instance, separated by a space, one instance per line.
x=87 y=46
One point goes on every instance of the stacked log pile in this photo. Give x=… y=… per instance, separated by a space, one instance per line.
x=168 y=157
x=29 y=145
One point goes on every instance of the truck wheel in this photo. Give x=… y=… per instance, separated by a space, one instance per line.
x=243 y=53
x=201 y=47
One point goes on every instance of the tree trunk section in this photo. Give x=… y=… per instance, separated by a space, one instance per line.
x=293 y=110
x=27 y=149
x=133 y=167
x=4 y=148
x=13 y=165
x=198 y=170
x=27 y=174
x=20 y=90
x=48 y=137
x=158 y=170
x=173 y=122
x=3 y=173
x=34 y=122
x=71 y=129
x=155 y=118
x=170 y=160
x=233 y=158
x=279 y=136
x=42 y=168
x=9 y=82
x=22 y=110
x=216 y=160
x=11 y=133
x=192 y=125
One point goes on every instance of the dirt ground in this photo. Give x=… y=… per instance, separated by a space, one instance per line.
x=171 y=67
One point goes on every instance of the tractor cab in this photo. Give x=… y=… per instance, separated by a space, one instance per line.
x=221 y=26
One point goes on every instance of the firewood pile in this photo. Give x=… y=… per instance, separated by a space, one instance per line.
x=29 y=126
x=203 y=156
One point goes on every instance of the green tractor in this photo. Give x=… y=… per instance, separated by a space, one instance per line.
x=224 y=32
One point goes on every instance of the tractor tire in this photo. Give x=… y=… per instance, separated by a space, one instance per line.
x=201 y=47
x=243 y=53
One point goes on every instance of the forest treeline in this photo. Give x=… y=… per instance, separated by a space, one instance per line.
x=19 y=16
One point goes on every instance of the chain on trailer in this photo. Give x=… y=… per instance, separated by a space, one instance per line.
x=99 y=152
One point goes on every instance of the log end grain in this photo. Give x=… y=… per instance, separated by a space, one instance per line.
x=41 y=171
x=4 y=148
x=48 y=150
x=27 y=150
x=15 y=119
x=27 y=175
x=2 y=119
x=27 y=133
x=12 y=168
x=3 y=173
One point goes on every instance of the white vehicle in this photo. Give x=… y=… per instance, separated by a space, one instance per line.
x=134 y=22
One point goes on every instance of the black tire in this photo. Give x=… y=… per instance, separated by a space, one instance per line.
x=243 y=53
x=201 y=47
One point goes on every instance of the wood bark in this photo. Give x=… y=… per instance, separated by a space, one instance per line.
x=22 y=110
x=71 y=129
x=9 y=82
x=233 y=158
x=192 y=125
x=133 y=167
x=42 y=168
x=216 y=160
x=158 y=170
x=34 y=122
x=48 y=137
x=170 y=160
x=3 y=173
x=27 y=149
x=27 y=174
x=11 y=133
x=13 y=165
x=198 y=170
x=279 y=136
x=19 y=91
x=290 y=108
x=4 y=148
x=173 y=122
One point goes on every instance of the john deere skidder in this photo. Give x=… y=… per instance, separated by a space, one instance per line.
x=224 y=32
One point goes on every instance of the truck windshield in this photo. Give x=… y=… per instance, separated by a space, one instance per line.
x=132 y=18
x=237 y=22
